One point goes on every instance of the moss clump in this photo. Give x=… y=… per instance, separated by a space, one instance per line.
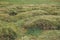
x=42 y=24
x=12 y=13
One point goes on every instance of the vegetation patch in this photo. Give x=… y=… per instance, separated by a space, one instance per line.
x=7 y=34
x=29 y=21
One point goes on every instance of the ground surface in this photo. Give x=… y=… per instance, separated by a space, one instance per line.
x=29 y=20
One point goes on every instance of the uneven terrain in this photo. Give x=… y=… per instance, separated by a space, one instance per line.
x=29 y=21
